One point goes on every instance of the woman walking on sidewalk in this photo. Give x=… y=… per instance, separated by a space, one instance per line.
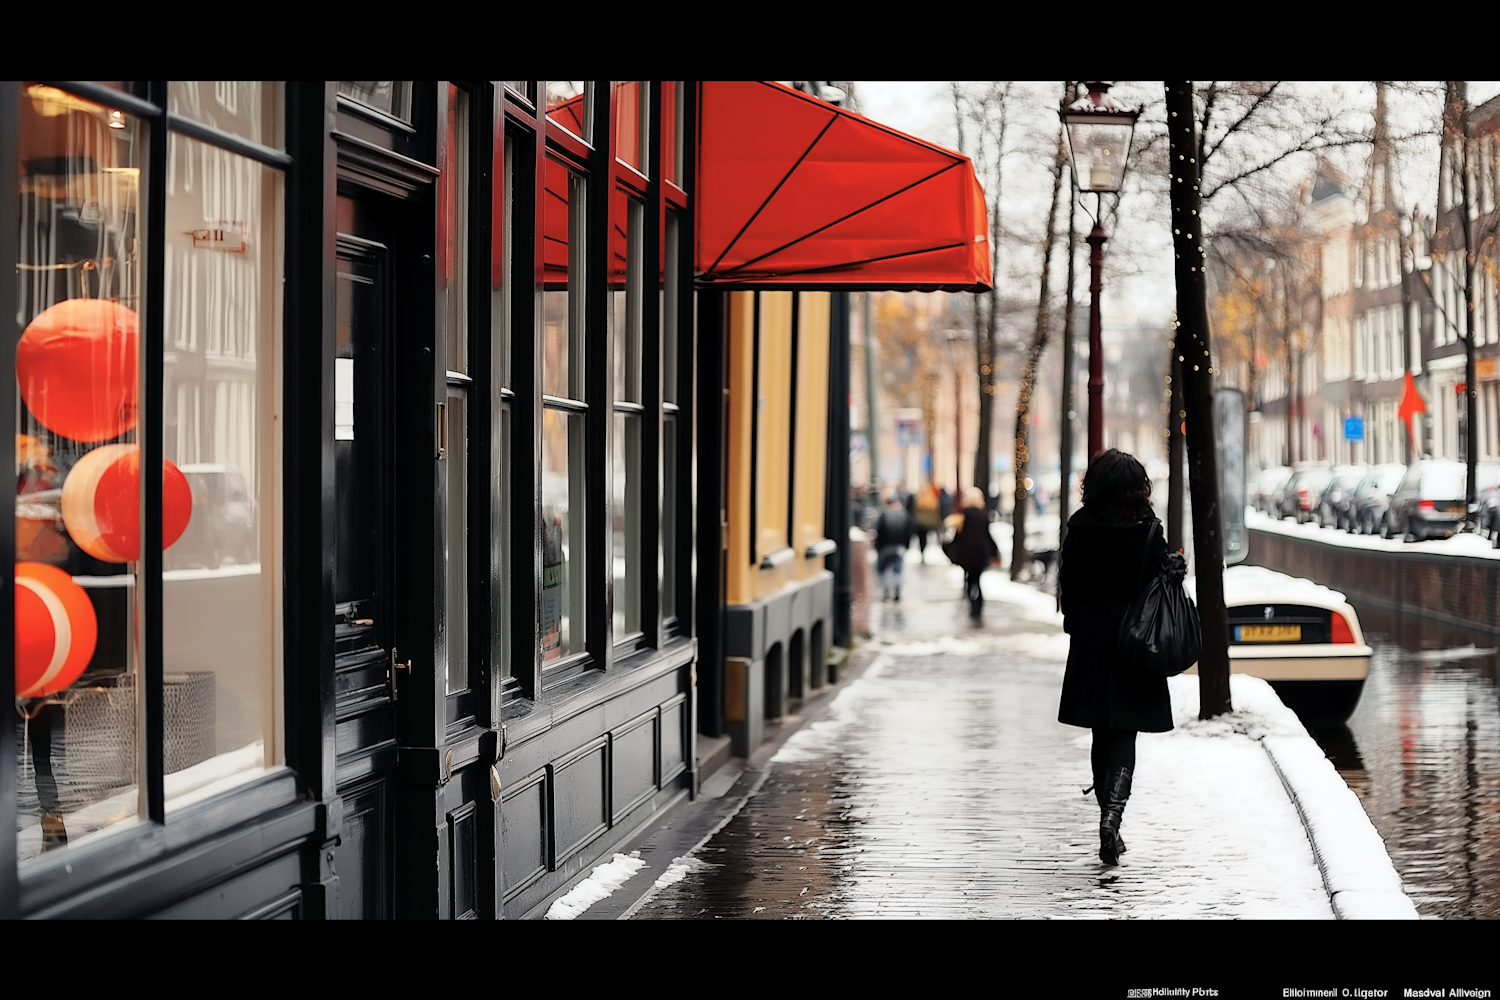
x=973 y=547
x=1100 y=573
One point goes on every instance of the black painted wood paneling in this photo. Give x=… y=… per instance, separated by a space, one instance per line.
x=632 y=762
x=523 y=826
x=462 y=863
x=673 y=739
x=244 y=894
x=580 y=799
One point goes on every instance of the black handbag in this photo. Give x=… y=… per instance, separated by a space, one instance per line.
x=1160 y=635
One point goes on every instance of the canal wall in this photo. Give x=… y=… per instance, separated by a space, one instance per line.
x=1456 y=589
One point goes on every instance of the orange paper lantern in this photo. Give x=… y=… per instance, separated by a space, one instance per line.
x=56 y=630
x=101 y=503
x=77 y=364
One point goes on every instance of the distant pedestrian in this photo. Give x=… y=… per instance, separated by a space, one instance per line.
x=973 y=547
x=892 y=537
x=1104 y=564
x=927 y=516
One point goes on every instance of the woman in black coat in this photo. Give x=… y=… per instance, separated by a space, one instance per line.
x=1104 y=564
x=973 y=547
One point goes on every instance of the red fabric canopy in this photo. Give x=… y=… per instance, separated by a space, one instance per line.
x=793 y=192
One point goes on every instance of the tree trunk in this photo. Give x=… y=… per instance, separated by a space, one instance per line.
x=984 y=370
x=1175 y=416
x=1456 y=127
x=1195 y=349
x=1019 y=560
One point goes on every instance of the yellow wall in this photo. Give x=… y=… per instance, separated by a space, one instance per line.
x=776 y=480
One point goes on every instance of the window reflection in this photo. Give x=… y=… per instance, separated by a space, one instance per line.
x=391 y=97
x=570 y=104
x=562 y=296
x=250 y=109
x=562 y=542
x=78 y=469
x=629 y=99
x=219 y=588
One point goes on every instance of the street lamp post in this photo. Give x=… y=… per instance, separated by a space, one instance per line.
x=958 y=414
x=1099 y=130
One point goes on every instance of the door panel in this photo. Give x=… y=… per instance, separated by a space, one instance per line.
x=365 y=734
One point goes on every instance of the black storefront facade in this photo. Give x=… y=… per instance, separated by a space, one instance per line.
x=407 y=627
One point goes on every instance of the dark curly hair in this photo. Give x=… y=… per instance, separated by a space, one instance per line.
x=1116 y=487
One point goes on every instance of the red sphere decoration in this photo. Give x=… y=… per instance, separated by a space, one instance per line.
x=101 y=503
x=56 y=630
x=77 y=365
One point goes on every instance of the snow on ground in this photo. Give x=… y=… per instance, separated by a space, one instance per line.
x=1459 y=545
x=601 y=884
x=1042 y=645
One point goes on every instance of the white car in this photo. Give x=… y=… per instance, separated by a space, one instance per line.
x=1300 y=636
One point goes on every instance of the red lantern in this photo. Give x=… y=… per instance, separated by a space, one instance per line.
x=101 y=501
x=56 y=630
x=77 y=365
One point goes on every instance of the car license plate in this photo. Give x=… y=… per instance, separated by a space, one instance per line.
x=1268 y=633
x=1455 y=510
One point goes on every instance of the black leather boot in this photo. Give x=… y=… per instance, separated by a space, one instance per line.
x=1111 y=810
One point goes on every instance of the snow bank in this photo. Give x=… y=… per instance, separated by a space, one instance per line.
x=1357 y=872
x=1459 y=545
x=1351 y=855
x=601 y=884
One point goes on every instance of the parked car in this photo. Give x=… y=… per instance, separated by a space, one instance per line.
x=1302 y=493
x=1487 y=496
x=1429 y=502
x=1270 y=482
x=1301 y=637
x=223 y=522
x=1334 y=507
x=1373 y=495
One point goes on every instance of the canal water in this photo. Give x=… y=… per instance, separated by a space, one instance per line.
x=1422 y=752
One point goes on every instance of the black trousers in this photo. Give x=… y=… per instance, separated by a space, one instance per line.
x=1112 y=748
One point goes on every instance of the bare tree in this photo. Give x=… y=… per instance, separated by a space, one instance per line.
x=1020 y=562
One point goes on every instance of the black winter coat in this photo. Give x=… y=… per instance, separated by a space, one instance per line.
x=974 y=547
x=1099 y=576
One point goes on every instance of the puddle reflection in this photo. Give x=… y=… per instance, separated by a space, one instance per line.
x=1422 y=752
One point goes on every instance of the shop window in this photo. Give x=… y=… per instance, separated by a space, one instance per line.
x=627 y=282
x=570 y=104
x=501 y=260
x=220 y=582
x=674 y=124
x=454 y=432
x=632 y=138
x=247 y=108
x=671 y=331
x=389 y=97
x=78 y=651
x=523 y=89
x=564 y=414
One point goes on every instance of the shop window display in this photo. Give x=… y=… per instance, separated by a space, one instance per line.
x=78 y=468
x=83 y=236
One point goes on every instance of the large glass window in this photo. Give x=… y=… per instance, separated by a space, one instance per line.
x=570 y=103
x=389 y=97
x=563 y=416
x=454 y=252
x=670 y=332
x=77 y=655
x=626 y=293
x=247 y=108
x=631 y=134
x=501 y=260
x=220 y=584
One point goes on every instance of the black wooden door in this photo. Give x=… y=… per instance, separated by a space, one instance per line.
x=364 y=592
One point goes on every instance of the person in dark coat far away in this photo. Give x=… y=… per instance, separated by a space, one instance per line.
x=892 y=537
x=1104 y=564
x=973 y=546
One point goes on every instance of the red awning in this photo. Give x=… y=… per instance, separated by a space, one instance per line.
x=793 y=192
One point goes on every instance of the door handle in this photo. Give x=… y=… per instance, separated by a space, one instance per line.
x=442 y=429
x=395 y=666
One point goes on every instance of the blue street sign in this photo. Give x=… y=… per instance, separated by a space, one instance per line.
x=1354 y=428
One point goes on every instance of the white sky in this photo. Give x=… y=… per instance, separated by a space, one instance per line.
x=1139 y=246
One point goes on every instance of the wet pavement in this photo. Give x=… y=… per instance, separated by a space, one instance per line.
x=1422 y=751
x=939 y=784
